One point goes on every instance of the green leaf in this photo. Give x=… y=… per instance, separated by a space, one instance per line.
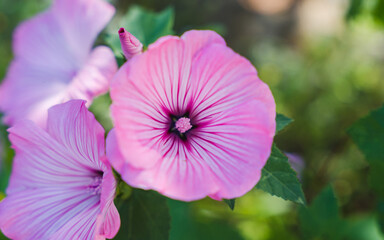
x=380 y=211
x=230 y=203
x=281 y=122
x=101 y=109
x=368 y=134
x=279 y=179
x=6 y=156
x=189 y=222
x=363 y=227
x=2 y=237
x=148 y=26
x=375 y=177
x=144 y=215
x=355 y=8
x=378 y=11
x=321 y=219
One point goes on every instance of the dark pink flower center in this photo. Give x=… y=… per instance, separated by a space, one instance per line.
x=181 y=125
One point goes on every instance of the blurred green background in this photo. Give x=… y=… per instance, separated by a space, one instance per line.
x=323 y=60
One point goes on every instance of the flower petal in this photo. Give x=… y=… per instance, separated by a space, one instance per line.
x=196 y=40
x=142 y=100
x=93 y=79
x=108 y=221
x=22 y=94
x=37 y=214
x=73 y=126
x=235 y=112
x=41 y=161
x=81 y=21
x=52 y=51
x=39 y=42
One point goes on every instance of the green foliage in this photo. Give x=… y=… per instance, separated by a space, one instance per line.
x=144 y=216
x=188 y=225
x=378 y=11
x=363 y=228
x=281 y=122
x=374 y=8
x=230 y=203
x=146 y=25
x=321 y=219
x=2 y=237
x=101 y=109
x=355 y=8
x=6 y=156
x=376 y=177
x=279 y=179
x=380 y=209
x=368 y=134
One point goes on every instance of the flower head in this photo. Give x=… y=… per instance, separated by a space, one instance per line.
x=192 y=119
x=54 y=61
x=61 y=186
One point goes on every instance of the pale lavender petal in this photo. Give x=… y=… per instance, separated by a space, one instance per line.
x=82 y=226
x=108 y=221
x=22 y=94
x=80 y=22
x=73 y=126
x=54 y=62
x=40 y=43
x=39 y=213
x=93 y=79
x=61 y=185
x=41 y=161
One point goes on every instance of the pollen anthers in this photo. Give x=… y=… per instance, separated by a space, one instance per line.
x=183 y=124
x=95 y=187
x=180 y=125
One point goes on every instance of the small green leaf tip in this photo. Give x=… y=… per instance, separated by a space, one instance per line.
x=279 y=179
x=230 y=203
x=281 y=122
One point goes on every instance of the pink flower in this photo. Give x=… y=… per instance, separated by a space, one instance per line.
x=54 y=60
x=192 y=119
x=61 y=186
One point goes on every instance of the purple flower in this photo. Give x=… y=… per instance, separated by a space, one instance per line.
x=61 y=186
x=54 y=61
